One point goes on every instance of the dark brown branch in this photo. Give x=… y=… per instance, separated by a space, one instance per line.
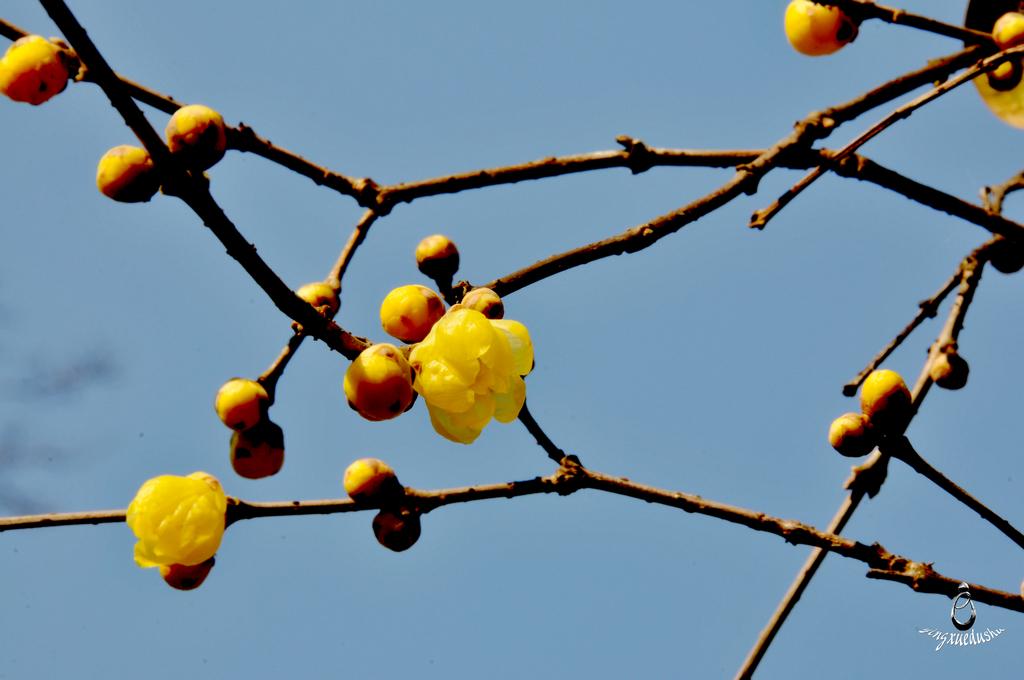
x=569 y=478
x=630 y=241
x=862 y=9
x=636 y=156
x=355 y=239
x=869 y=171
x=273 y=373
x=923 y=579
x=904 y=451
x=761 y=217
x=814 y=127
x=244 y=138
x=61 y=519
x=554 y=453
x=866 y=478
x=820 y=124
x=994 y=196
x=194 y=191
x=926 y=309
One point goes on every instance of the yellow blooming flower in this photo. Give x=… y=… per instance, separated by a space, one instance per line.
x=469 y=369
x=178 y=520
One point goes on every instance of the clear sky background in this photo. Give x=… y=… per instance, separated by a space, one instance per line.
x=711 y=363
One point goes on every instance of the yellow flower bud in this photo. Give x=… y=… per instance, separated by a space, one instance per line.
x=181 y=577
x=378 y=384
x=241 y=403
x=1009 y=30
x=949 y=370
x=177 y=520
x=127 y=174
x=259 y=451
x=33 y=70
x=885 y=400
x=409 y=312
x=437 y=257
x=485 y=301
x=320 y=294
x=851 y=435
x=368 y=480
x=196 y=134
x=397 y=530
x=817 y=30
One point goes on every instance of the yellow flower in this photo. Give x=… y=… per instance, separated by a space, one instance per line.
x=178 y=520
x=469 y=369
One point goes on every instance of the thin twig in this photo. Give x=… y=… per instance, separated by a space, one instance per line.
x=276 y=369
x=926 y=309
x=761 y=218
x=868 y=479
x=816 y=126
x=273 y=373
x=543 y=440
x=901 y=449
x=868 y=170
x=242 y=138
x=820 y=124
x=355 y=239
x=862 y=9
x=994 y=196
x=636 y=156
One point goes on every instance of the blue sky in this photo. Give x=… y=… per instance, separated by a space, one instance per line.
x=711 y=363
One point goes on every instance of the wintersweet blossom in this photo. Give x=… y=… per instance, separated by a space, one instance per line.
x=469 y=369
x=178 y=520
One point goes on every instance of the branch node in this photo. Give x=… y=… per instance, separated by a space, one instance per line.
x=638 y=155
x=868 y=477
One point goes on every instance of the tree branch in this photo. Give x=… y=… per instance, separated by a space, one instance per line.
x=568 y=479
x=994 y=196
x=862 y=9
x=554 y=453
x=761 y=218
x=926 y=309
x=904 y=451
x=194 y=191
x=273 y=373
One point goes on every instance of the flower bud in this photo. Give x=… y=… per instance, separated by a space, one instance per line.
x=437 y=257
x=370 y=480
x=378 y=384
x=259 y=451
x=851 y=435
x=196 y=134
x=126 y=173
x=885 y=400
x=409 y=312
x=397 y=530
x=485 y=301
x=241 y=403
